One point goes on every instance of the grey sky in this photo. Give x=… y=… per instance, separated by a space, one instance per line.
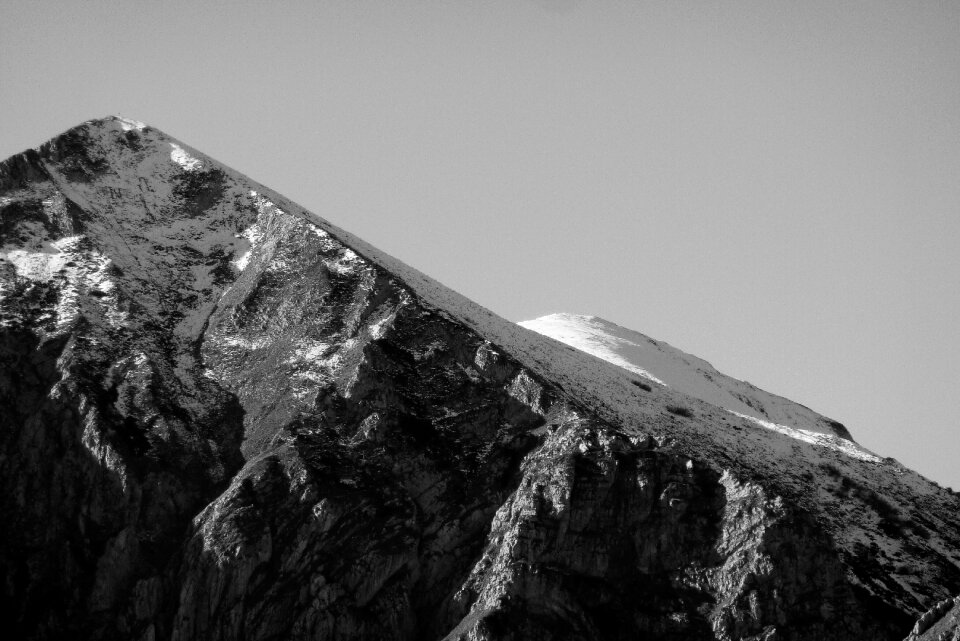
x=773 y=186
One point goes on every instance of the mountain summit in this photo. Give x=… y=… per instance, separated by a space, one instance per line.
x=222 y=417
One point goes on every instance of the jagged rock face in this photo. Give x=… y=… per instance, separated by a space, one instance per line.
x=939 y=623
x=613 y=537
x=224 y=419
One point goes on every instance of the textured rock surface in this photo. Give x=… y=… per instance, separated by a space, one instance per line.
x=939 y=623
x=223 y=418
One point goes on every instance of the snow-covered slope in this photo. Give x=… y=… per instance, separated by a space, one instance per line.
x=668 y=366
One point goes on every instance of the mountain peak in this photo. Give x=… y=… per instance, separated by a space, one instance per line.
x=225 y=417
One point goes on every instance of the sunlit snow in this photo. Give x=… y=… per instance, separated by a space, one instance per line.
x=78 y=271
x=130 y=125
x=589 y=335
x=686 y=373
x=250 y=237
x=182 y=158
x=39 y=265
x=816 y=438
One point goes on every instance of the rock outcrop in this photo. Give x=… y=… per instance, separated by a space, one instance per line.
x=222 y=417
x=939 y=623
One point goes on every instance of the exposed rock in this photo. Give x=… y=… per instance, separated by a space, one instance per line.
x=939 y=623
x=223 y=418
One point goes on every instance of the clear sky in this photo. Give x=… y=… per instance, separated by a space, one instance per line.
x=772 y=186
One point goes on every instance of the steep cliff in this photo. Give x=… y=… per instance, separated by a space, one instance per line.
x=225 y=418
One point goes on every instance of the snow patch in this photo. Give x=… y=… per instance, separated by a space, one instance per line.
x=378 y=329
x=131 y=125
x=591 y=338
x=252 y=235
x=96 y=278
x=347 y=263
x=664 y=364
x=74 y=270
x=263 y=204
x=815 y=438
x=312 y=353
x=315 y=365
x=42 y=265
x=249 y=344
x=182 y=158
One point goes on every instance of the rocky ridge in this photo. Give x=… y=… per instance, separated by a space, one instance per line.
x=224 y=418
x=939 y=623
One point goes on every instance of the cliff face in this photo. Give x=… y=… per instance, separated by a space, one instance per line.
x=223 y=418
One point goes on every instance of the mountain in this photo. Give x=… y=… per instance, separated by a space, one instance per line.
x=222 y=417
x=667 y=366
